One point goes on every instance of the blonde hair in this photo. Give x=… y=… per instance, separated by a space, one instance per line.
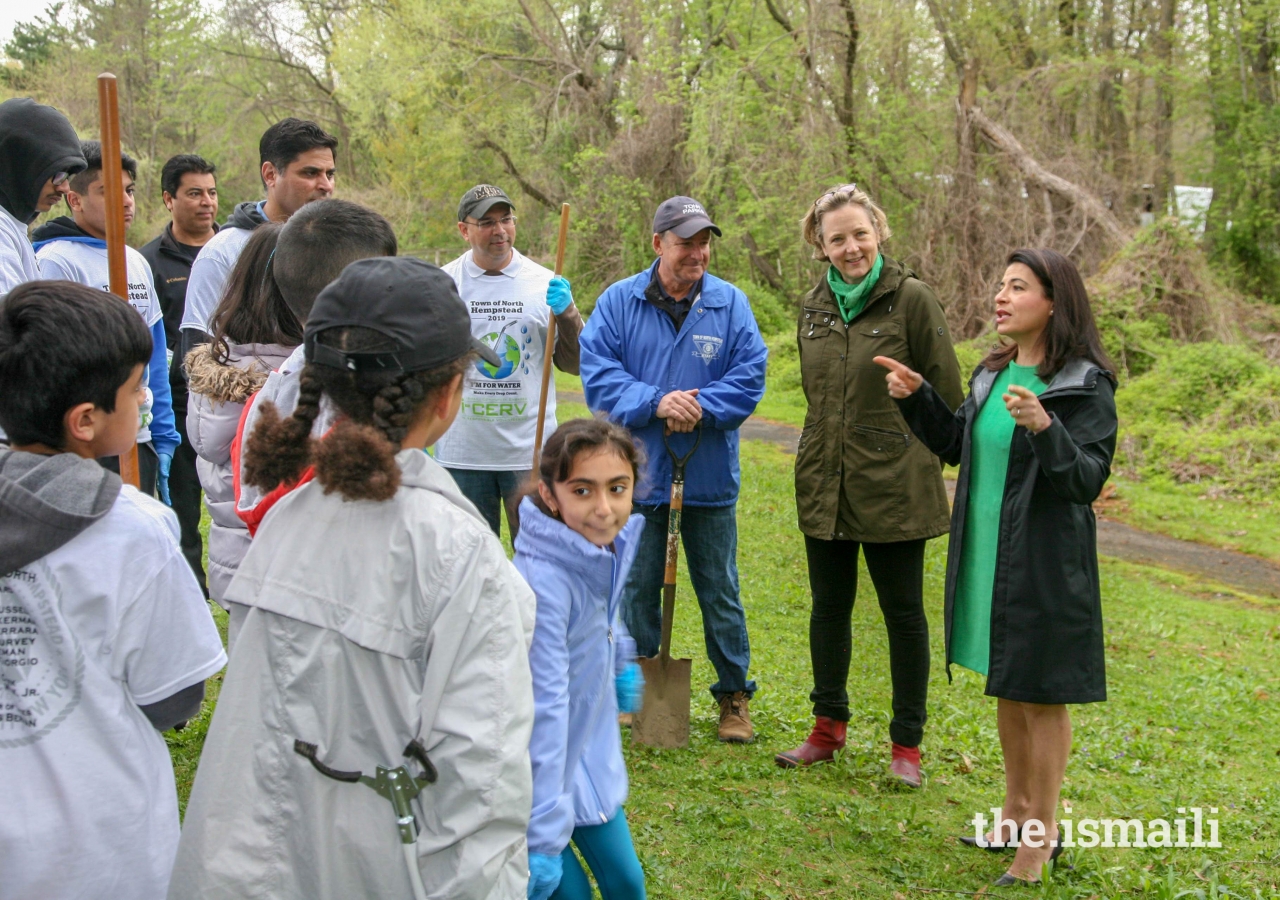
x=842 y=195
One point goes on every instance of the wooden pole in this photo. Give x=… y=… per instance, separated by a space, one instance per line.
x=547 y=361
x=113 y=185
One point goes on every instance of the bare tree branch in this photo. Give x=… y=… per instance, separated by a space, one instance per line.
x=1089 y=205
x=954 y=51
x=762 y=266
x=510 y=166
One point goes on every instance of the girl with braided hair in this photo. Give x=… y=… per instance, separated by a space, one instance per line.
x=380 y=626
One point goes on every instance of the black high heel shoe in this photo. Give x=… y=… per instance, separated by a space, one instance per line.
x=970 y=841
x=1006 y=879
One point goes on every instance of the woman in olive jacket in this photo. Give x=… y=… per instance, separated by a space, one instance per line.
x=862 y=479
x=1034 y=441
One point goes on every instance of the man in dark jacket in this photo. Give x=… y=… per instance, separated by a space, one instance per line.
x=190 y=193
x=41 y=152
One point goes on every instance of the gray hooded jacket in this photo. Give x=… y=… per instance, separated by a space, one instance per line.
x=45 y=501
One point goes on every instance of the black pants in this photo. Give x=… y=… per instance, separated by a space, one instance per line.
x=897 y=571
x=184 y=491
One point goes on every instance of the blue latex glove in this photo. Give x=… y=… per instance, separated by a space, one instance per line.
x=162 y=482
x=629 y=686
x=545 y=873
x=559 y=295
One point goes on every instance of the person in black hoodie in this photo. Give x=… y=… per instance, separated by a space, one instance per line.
x=41 y=152
x=108 y=641
x=189 y=190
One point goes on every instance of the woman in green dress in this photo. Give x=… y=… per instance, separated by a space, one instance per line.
x=1023 y=605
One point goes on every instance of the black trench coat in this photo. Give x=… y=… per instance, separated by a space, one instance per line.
x=1046 y=608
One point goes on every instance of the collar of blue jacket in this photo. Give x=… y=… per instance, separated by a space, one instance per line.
x=632 y=356
x=710 y=289
x=549 y=540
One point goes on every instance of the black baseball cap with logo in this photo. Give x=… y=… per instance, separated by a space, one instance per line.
x=478 y=201
x=415 y=304
x=683 y=215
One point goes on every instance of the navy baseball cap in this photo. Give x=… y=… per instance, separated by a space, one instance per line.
x=683 y=215
x=415 y=304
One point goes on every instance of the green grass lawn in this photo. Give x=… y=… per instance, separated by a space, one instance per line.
x=1185 y=511
x=1193 y=720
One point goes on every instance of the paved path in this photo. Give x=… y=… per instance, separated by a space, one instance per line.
x=1247 y=573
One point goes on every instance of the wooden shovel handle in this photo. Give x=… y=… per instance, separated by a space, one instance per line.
x=549 y=350
x=113 y=188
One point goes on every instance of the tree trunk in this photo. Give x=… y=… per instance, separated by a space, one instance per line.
x=850 y=60
x=1163 y=46
x=1263 y=63
x=1113 y=130
x=968 y=315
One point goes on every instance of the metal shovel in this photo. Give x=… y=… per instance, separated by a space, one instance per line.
x=663 y=720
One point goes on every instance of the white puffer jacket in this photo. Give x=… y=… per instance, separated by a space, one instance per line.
x=367 y=625
x=218 y=394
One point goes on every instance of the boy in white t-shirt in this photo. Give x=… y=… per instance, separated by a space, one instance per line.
x=105 y=637
x=74 y=248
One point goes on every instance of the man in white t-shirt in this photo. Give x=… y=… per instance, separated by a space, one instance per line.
x=74 y=248
x=105 y=637
x=297 y=167
x=489 y=449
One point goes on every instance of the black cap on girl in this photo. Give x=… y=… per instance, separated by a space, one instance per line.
x=415 y=304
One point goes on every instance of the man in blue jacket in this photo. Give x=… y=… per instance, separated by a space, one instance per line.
x=674 y=349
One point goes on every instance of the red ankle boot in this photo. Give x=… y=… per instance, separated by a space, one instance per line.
x=906 y=765
x=826 y=738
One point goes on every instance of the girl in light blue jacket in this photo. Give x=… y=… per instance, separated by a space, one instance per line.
x=576 y=543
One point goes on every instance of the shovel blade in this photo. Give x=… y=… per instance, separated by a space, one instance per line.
x=663 y=720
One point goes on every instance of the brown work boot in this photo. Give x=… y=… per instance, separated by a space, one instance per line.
x=827 y=737
x=735 y=719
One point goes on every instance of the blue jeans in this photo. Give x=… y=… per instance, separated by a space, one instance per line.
x=710 y=538
x=490 y=490
x=612 y=858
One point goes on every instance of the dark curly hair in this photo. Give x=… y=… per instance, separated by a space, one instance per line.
x=357 y=456
x=578 y=436
x=1072 y=333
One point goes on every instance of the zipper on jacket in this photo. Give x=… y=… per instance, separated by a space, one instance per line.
x=604 y=818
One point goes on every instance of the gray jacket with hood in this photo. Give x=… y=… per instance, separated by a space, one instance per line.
x=45 y=501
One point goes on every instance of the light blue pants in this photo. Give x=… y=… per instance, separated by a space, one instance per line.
x=609 y=852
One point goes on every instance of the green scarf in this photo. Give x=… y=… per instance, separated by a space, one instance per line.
x=852 y=298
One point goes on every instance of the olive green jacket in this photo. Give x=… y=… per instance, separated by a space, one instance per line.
x=861 y=474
